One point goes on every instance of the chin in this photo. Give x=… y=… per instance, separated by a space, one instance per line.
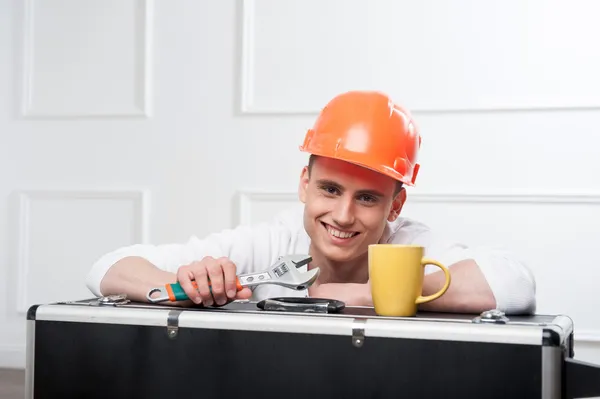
x=337 y=254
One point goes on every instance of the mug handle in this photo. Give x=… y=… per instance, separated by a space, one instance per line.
x=428 y=298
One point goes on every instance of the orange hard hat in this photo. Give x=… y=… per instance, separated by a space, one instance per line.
x=368 y=129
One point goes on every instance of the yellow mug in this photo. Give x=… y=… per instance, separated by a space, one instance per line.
x=396 y=275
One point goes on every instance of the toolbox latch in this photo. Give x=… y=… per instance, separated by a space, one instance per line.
x=111 y=300
x=494 y=316
x=358 y=332
x=173 y=323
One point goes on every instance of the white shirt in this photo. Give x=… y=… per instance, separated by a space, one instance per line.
x=254 y=248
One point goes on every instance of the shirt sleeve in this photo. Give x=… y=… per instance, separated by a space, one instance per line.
x=510 y=280
x=249 y=247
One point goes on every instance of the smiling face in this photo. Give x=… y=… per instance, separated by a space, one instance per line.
x=346 y=207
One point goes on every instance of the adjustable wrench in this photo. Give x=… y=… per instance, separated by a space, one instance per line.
x=283 y=272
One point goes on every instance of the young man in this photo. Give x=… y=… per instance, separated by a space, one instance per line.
x=363 y=152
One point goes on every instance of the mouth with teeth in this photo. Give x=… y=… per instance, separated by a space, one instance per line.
x=339 y=234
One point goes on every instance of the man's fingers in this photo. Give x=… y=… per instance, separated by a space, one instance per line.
x=215 y=274
x=215 y=281
x=185 y=276
x=245 y=293
x=201 y=277
x=229 y=273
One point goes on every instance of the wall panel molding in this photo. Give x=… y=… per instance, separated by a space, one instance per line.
x=141 y=107
x=541 y=101
x=588 y=336
x=246 y=200
x=247 y=60
x=138 y=198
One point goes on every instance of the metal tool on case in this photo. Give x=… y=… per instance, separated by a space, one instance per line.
x=283 y=272
x=303 y=305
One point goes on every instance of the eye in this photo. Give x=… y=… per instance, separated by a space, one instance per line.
x=367 y=198
x=329 y=189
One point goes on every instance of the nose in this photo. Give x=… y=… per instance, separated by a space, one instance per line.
x=343 y=214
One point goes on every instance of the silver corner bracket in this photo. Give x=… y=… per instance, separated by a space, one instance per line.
x=173 y=323
x=358 y=332
x=493 y=316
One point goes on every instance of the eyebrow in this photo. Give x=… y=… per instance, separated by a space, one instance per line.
x=325 y=182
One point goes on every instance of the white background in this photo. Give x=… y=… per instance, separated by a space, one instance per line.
x=128 y=121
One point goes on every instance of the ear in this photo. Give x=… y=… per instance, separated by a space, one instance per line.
x=397 y=205
x=302 y=184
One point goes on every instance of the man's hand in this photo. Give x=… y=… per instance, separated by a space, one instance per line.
x=469 y=291
x=222 y=275
x=351 y=294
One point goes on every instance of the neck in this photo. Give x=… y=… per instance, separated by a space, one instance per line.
x=354 y=271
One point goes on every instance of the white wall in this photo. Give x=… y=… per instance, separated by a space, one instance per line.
x=124 y=121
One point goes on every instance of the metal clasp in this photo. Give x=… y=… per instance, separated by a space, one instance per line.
x=493 y=316
x=358 y=332
x=173 y=323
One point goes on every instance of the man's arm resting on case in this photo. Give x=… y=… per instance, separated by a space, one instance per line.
x=469 y=291
x=494 y=282
x=134 y=276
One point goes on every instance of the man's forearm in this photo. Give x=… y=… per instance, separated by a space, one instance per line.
x=134 y=276
x=469 y=291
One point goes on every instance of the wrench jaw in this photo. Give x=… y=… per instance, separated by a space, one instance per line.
x=297 y=260
x=286 y=274
x=297 y=280
x=312 y=275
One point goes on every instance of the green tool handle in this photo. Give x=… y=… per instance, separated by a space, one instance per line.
x=176 y=292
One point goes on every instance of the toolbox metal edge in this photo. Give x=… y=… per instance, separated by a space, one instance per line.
x=373 y=327
x=559 y=331
x=107 y=315
x=267 y=322
x=296 y=323
x=30 y=356
x=552 y=367
x=441 y=331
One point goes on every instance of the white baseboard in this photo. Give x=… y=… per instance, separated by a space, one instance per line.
x=12 y=356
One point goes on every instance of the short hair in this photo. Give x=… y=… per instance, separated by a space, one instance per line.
x=311 y=161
